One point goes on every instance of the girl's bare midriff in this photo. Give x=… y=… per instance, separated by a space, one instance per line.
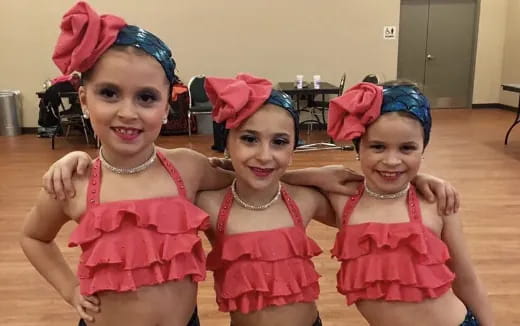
x=167 y=304
x=301 y=314
x=446 y=310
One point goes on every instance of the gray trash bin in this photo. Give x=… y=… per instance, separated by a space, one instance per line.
x=10 y=122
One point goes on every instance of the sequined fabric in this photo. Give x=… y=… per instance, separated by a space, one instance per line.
x=470 y=320
x=85 y=36
x=284 y=101
x=408 y=99
x=151 y=44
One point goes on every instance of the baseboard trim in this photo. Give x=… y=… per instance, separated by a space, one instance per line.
x=487 y=106
x=494 y=106
x=29 y=130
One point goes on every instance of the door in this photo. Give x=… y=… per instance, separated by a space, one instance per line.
x=437 y=49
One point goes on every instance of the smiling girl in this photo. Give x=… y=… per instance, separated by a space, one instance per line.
x=401 y=262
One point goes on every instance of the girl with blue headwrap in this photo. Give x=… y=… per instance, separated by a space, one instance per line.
x=137 y=227
x=401 y=262
x=138 y=230
x=261 y=256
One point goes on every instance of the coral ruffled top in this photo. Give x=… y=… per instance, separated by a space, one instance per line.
x=132 y=243
x=254 y=270
x=392 y=262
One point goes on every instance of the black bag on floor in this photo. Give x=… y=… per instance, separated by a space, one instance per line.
x=178 y=117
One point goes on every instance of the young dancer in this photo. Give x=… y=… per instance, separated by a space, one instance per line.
x=137 y=227
x=261 y=257
x=401 y=262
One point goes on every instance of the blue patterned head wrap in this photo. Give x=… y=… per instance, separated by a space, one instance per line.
x=408 y=98
x=284 y=101
x=151 y=44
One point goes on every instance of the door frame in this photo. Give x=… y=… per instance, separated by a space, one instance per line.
x=471 y=82
x=474 y=54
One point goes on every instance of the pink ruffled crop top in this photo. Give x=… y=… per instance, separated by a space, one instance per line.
x=254 y=270
x=132 y=243
x=392 y=262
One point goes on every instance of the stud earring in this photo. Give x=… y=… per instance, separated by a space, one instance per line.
x=165 y=120
x=357 y=157
x=226 y=154
x=85 y=113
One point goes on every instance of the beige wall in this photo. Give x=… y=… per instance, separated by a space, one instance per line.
x=498 y=52
x=490 y=51
x=276 y=39
x=272 y=38
x=511 y=66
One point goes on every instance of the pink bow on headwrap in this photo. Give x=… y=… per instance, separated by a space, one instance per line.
x=350 y=113
x=236 y=99
x=84 y=37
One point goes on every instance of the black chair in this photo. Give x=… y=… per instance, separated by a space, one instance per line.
x=315 y=107
x=56 y=117
x=199 y=102
x=71 y=117
x=371 y=79
x=323 y=106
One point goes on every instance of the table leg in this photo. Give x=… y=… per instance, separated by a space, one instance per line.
x=517 y=121
x=323 y=122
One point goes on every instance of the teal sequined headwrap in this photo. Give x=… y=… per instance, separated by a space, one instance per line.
x=151 y=44
x=284 y=101
x=408 y=98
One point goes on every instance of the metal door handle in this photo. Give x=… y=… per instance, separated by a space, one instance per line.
x=430 y=57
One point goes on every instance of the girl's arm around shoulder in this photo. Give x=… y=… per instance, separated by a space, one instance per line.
x=329 y=178
x=58 y=180
x=312 y=205
x=467 y=285
x=196 y=170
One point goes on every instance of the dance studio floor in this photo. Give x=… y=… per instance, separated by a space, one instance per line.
x=466 y=148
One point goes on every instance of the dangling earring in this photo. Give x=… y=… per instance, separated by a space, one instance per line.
x=165 y=120
x=85 y=113
x=226 y=154
x=357 y=157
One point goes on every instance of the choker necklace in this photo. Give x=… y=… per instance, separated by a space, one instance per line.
x=387 y=196
x=254 y=207
x=133 y=170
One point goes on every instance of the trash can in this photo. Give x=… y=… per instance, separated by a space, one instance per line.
x=10 y=119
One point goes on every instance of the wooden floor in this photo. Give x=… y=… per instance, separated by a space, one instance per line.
x=466 y=148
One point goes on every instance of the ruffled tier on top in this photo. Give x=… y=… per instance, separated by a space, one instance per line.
x=393 y=262
x=254 y=270
x=134 y=243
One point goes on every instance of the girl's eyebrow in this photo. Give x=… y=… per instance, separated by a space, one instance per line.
x=254 y=132
x=105 y=85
